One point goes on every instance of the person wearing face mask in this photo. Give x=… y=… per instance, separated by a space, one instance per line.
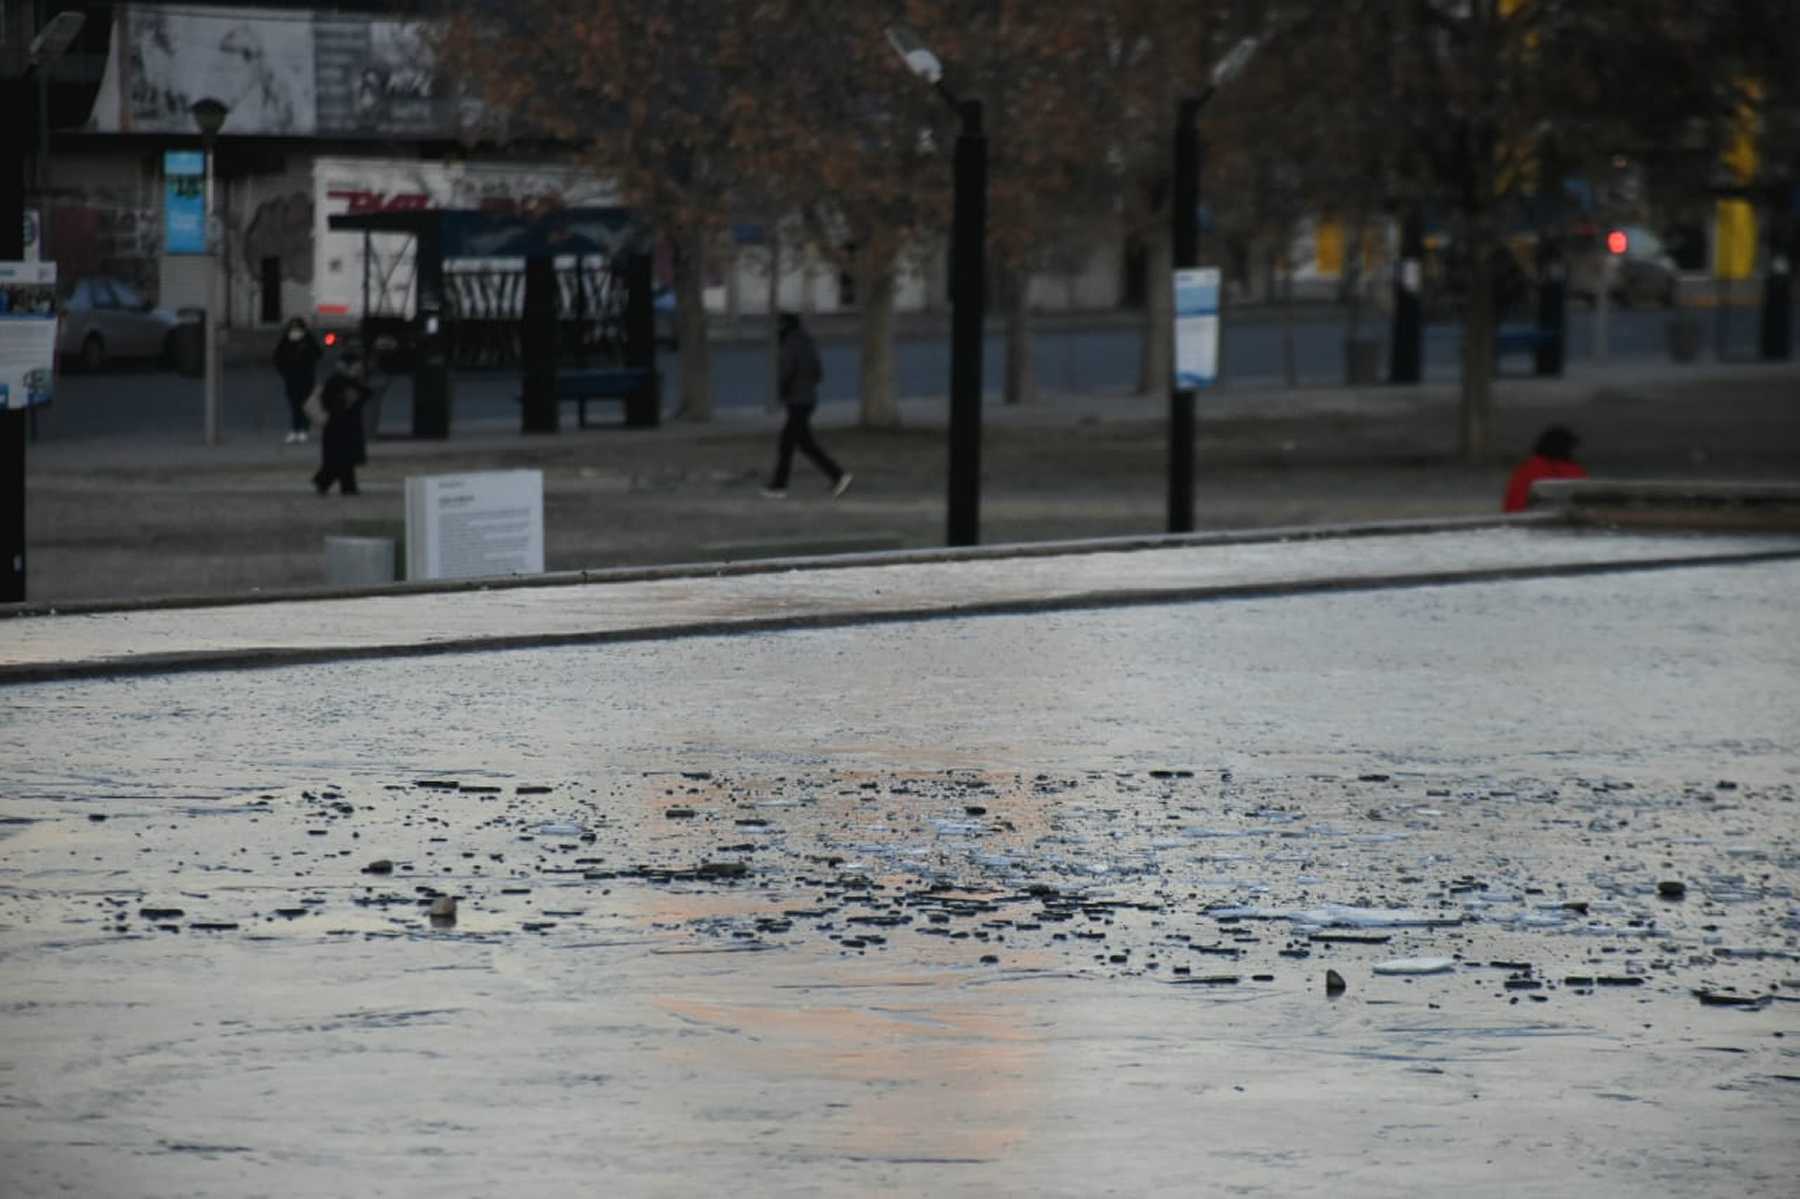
x=297 y=357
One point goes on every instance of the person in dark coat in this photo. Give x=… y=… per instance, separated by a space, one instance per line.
x=1553 y=457
x=297 y=357
x=799 y=375
x=341 y=448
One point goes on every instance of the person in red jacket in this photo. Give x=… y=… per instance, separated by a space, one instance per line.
x=1552 y=458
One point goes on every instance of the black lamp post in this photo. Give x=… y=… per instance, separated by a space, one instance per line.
x=209 y=117
x=1406 y=355
x=968 y=287
x=1185 y=232
x=51 y=43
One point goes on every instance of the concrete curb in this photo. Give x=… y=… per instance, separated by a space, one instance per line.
x=274 y=657
x=733 y=569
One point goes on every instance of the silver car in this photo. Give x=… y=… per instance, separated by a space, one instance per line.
x=103 y=319
x=1643 y=273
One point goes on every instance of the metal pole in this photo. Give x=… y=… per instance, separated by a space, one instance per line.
x=1602 y=306
x=1185 y=233
x=1777 y=340
x=214 y=360
x=1406 y=356
x=968 y=299
x=12 y=420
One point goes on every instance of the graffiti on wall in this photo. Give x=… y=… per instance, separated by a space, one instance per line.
x=281 y=228
x=98 y=236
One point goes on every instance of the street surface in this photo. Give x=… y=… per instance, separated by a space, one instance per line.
x=1071 y=359
x=1048 y=903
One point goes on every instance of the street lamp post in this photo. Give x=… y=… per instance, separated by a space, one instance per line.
x=1185 y=234
x=968 y=292
x=209 y=115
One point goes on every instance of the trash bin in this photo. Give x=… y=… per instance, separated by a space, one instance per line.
x=359 y=561
x=1683 y=337
x=187 y=348
x=1362 y=360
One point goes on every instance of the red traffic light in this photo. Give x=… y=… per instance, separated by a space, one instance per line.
x=1617 y=242
x=331 y=339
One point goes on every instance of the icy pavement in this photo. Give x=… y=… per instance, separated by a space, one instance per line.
x=1038 y=904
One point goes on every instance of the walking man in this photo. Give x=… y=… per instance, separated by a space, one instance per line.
x=800 y=372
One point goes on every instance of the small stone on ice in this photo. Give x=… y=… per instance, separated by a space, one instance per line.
x=1334 y=983
x=379 y=866
x=444 y=907
x=1671 y=888
x=1416 y=966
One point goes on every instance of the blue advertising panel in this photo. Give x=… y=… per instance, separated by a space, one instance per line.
x=184 y=202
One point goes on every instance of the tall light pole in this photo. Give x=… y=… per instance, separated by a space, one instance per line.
x=209 y=115
x=1185 y=231
x=968 y=292
x=51 y=43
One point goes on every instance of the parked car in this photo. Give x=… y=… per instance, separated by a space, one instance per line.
x=103 y=319
x=1644 y=272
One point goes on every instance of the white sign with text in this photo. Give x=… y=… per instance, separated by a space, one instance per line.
x=1196 y=327
x=27 y=334
x=475 y=526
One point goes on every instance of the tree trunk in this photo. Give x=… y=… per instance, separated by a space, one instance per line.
x=774 y=400
x=1157 y=369
x=1475 y=424
x=1290 y=367
x=1021 y=384
x=690 y=323
x=1353 y=274
x=875 y=383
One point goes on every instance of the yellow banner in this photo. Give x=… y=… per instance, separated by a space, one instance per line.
x=1734 y=240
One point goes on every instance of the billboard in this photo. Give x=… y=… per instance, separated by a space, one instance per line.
x=279 y=73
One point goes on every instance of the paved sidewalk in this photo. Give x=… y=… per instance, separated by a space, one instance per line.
x=141 y=517
x=701 y=601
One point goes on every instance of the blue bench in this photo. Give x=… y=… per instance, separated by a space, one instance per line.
x=1521 y=339
x=639 y=387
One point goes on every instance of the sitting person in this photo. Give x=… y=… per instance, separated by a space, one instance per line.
x=1552 y=458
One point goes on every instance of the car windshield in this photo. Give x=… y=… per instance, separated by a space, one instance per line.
x=1646 y=243
x=126 y=297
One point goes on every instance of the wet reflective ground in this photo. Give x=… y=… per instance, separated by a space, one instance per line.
x=1033 y=904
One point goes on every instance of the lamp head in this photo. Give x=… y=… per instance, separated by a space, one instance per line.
x=209 y=114
x=918 y=57
x=1235 y=61
x=53 y=40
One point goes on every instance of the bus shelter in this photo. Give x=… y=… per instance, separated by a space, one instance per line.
x=481 y=287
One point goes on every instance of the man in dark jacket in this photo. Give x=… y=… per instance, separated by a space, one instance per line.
x=297 y=361
x=341 y=447
x=800 y=372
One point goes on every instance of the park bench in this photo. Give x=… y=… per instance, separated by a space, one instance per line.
x=1521 y=339
x=636 y=386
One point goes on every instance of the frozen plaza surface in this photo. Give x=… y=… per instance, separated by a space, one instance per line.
x=944 y=906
